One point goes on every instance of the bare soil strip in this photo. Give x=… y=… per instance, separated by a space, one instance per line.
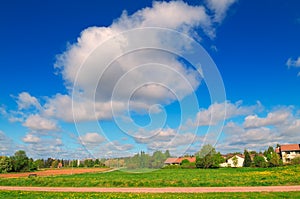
x=54 y=172
x=157 y=190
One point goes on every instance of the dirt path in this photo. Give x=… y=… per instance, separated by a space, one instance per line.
x=158 y=190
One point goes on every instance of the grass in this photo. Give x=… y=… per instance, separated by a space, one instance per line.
x=66 y=195
x=288 y=175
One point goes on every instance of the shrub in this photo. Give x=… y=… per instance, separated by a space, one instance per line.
x=296 y=160
x=260 y=161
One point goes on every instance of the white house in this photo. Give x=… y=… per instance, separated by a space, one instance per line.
x=234 y=161
x=288 y=152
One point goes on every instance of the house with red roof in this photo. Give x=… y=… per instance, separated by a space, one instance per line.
x=178 y=161
x=288 y=152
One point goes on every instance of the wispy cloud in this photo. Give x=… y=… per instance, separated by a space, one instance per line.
x=6 y=144
x=219 y=7
x=293 y=63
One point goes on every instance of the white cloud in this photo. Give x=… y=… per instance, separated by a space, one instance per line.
x=222 y=111
x=92 y=138
x=65 y=108
x=134 y=78
x=237 y=138
x=3 y=111
x=38 y=123
x=280 y=126
x=219 y=7
x=112 y=149
x=174 y=15
x=291 y=130
x=293 y=62
x=25 y=101
x=6 y=144
x=274 y=118
x=166 y=139
x=30 y=138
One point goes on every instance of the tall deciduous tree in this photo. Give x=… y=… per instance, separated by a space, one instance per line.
x=20 y=161
x=275 y=160
x=5 y=164
x=259 y=161
x=208 y=157
x=268 y=153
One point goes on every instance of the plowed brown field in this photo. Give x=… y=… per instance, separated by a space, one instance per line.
x=52 y=172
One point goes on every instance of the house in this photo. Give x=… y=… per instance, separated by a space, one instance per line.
x=233 y=161
x=288 y=152
x=178 y=161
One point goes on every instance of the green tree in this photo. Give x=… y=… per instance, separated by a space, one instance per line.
x=247 y=162
x=48 y=162
x=207 y=157
x=89 y=163
x=5 y=164
x=32 y=165
x=275 y=160
x=268 y=153
x=259 y=161
x=20 y=161
x=40 y=163
x=54 y=164
x=167 y=154
x=235 y=161
x=157 y=159
x=97 y=162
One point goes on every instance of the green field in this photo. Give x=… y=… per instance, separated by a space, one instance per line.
x=288 y=175
x=51 y=195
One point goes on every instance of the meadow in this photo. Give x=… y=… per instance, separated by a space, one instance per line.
x=66 y=195
x=287 y=175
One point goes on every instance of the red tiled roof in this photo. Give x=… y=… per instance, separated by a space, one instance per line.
x=172 y=161
x=190 y=159
x=277 y=150
x=179 y=160
x=290 y=147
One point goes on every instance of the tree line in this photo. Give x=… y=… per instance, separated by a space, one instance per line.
x=144 y=160
x=19 y=162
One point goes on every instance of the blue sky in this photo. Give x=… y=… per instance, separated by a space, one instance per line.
x=54 y=55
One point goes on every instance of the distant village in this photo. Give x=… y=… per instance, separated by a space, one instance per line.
x=283 y=154
x=280 y=155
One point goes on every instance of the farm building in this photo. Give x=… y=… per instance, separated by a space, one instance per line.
x=178 y=161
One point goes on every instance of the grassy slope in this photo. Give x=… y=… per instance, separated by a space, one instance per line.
x=51 y=195
x=170 y=177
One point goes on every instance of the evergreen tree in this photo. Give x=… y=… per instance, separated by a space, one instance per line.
x=247 y=161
